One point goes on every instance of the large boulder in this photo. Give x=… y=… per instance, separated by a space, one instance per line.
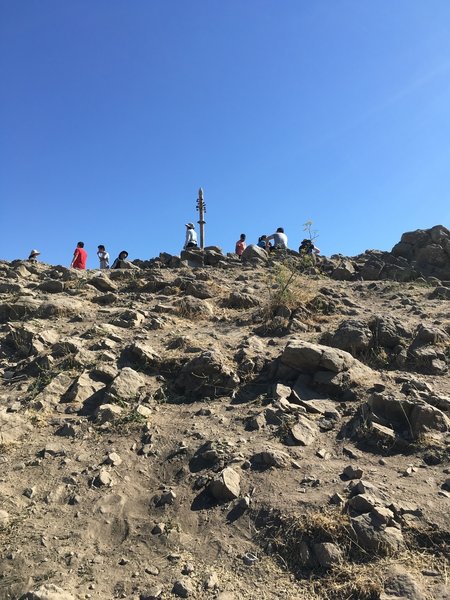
x=125 y=386
x=428 y=249
x=254 y=253
x=206 y=375
x=334 y=372
x=409 y=418
x=353 y=336
x=374 y=538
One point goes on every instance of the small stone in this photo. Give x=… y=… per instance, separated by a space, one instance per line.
x=113 y=459
x=152 y=570
x=188 y=569
x=152 y=594
x=351 y=473
x=29 y=492
x=173 y=557
x=159 y=528
x=327 y=554
x=226 y=486
x=144 y=411
x=212 y=581
x=322 y=453
x=183 y=588
x=167 y=497
x=337 y=499
x=123 y=561
x=446 y=484
x=4 y=518
x=103 y=479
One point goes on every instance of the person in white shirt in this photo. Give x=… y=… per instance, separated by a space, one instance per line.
x=191 y=236
x=279 y=238
x=103 y=257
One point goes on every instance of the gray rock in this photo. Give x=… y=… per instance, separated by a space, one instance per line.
x=351 y=473
x=52 y=286
x=200 y=290
x=399 y=584
x=380 y=540
x=408 y=417
x=328 y=554
x=206 y=375
x=108 y=413
x=271 y=458
x=4 y=518
x=226 y=486
x=128 y=319
x=48 y=591
x=352 y=336
x=13 y=427
x=344 y=272
x=388 y=332
x=190 y=307
x=83 y=388
x=241 y=300
x=183 y=588
x=211 y=581
x=125 y=386
x=254 y=253
x=103 y=479
x=103 y=283
x=152 y=593
x=304 y=432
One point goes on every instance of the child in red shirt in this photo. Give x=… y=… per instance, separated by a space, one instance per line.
x=240 y=245
x=79 y=257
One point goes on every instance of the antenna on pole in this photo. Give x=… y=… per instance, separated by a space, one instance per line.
x=201 y=207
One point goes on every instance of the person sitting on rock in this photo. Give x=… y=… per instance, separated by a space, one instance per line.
x=103 y=257
x=263 y=243
x=191 y=236
x=280 y=241
x=240 y=245
x=121 y=262
x=79 y=257
x=307 y=247
x=33 y=256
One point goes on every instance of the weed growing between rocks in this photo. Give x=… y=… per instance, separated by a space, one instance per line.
x=346 y=571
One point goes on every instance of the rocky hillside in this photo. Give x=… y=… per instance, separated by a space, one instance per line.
x=210 y=429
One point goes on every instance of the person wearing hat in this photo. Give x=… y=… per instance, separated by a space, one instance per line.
x=33 y=256
x=191 y=236
x=121 y=262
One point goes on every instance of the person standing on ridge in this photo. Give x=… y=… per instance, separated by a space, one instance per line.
x=103 y=257
x=280 y=241
x=191 y=236
x=240 y=245
x=79 y=257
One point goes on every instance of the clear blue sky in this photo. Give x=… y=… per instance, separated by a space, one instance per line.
x=114 y=112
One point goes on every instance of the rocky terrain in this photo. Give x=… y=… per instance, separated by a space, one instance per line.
x=209 y=428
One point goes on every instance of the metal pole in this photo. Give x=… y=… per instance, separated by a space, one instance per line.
x=201 y=207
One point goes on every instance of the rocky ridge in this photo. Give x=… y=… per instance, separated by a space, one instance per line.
x=207 y=428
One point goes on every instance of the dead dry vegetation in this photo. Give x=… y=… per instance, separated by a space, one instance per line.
x=239 y=431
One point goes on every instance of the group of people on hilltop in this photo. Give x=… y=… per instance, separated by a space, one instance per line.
x=274 y=242
x=79 y=258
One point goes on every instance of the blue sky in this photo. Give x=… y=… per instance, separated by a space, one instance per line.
x=114 y=112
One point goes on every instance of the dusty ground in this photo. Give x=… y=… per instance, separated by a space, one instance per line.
x=97 y=539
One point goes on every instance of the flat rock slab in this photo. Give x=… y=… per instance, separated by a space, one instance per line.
x=12 y=427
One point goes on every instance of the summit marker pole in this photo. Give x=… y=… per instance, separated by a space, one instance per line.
x=201 y=207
